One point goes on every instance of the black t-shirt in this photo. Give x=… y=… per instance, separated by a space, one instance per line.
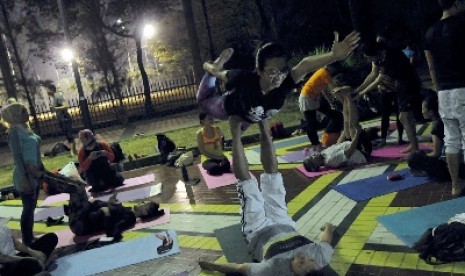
x=437 y=128
x=246 y=99
x=446 y=42
x=397 y=66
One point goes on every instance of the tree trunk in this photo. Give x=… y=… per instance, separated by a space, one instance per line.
x=194 y=40
x=145 y=80
x=6 y=71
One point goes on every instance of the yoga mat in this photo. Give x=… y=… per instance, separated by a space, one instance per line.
x=125 y=196
x=322 y=171
x=394 y=152
x=409 y=225
x=11 y=212
x=367 y=188
x=285 y=143
x=233 y=244
x=127 y=183
x=66 y=237
x=253 y=158
x=114 y=256
x=218 y=181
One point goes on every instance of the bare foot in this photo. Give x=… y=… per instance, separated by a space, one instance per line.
x=219 y=62
x=457 y=189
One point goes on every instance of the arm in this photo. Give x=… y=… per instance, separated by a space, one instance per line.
x=240 y=163
x=84 y=161
x=339 y=51
x=432 y=69
x=109 y=153
x=226 y=268
x=371 y=81
x=437 y=147
x=21 y=247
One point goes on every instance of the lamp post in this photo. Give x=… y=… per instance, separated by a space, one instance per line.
x=82 y=99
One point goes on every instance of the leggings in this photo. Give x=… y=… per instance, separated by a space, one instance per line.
x=335 y=121
x=209 y=100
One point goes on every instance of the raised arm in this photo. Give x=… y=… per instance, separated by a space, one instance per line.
x=339 y=51
x=240 y=163
x=370 y=82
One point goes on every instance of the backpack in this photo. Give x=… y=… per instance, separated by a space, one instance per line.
x=443 y=244
x=56 y=149
x=165 y=146
x=277 y=131
x=119 y=155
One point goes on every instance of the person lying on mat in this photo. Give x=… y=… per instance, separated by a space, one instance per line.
x=111 y=217
x=18 y=259
x=210 y=144
x=343 y=154
x=268 y=229
x=94 y=160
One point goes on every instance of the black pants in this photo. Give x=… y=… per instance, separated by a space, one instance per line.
x=217 y=167
x=335 y=123
x=45 y=244
x=389 y=106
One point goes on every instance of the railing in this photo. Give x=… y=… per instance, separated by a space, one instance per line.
x=167 y=97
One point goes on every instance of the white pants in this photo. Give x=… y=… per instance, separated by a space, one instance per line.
x=263 y=208
x=452 y=111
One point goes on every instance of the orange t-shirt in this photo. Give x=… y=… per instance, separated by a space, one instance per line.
x=316 y=84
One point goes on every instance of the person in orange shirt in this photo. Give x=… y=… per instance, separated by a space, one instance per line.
x=321 y=82
x=94 y=160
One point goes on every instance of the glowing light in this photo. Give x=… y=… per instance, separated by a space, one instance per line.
x=67 y=54
x=149 y=31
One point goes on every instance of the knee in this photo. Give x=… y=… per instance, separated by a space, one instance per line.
x=453 y=148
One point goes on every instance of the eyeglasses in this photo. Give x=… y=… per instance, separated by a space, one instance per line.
x=275 y=73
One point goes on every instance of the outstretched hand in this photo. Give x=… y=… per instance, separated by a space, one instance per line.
x=342 y=49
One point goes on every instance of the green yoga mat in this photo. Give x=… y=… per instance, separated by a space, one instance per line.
x=233 y=244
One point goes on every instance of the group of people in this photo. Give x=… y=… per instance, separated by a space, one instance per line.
x=28 y=175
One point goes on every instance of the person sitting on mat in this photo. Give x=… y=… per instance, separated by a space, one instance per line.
x=210 y=144
x=266 y=225
x=94 y=160
x=343 y=154
x=18 y=259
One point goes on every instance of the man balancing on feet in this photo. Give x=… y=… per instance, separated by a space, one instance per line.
x=269 y=231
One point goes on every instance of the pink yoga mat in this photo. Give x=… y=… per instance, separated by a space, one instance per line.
x=127 y=183
x=315 y=174
x=394 y=152
x=66 y=237
x=124 y=196
x=218 y=181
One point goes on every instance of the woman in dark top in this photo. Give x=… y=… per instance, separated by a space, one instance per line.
x=259 y=95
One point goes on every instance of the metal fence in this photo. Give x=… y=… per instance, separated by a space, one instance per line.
x=168 y=97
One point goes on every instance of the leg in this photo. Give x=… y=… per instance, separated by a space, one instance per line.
x=24 y=267
x=252 y=202
x=46 y=243
x=450 y=109
x=335 y=117
x=271 y=181
x=213 y=167
x=209 y=100
x=29 y=202
x=406 y=118
x=386 y=110
x=312 y=124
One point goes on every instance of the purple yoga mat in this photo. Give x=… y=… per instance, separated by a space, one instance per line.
x=315 y=174
x=297 y=156
x=127 y=183
x=124 y=196
x=66 y=237
x=394 y=152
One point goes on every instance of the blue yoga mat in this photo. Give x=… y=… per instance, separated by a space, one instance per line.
x=284 y=143
x=409 y=225
x=368 y=188
x=114 y=256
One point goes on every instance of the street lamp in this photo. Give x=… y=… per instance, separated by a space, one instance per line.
x=67 y=54
x=149 y=31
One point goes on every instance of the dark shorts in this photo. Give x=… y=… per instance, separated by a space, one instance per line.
x=407 y=97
